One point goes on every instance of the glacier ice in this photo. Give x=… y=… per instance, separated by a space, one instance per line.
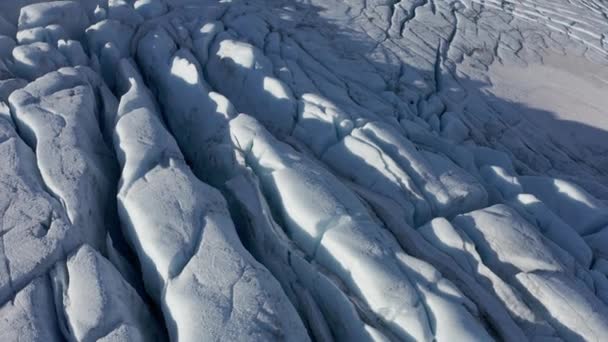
x=329 y=170
x=193 y=264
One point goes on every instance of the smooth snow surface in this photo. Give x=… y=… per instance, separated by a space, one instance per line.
x=566 y=97
x=308 y=170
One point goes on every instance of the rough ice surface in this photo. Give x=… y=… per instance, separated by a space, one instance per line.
x=60 y=114
x=207 y=284
x=319 y=170
x=83 y=298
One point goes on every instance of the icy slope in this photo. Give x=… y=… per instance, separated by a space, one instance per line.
x=196 y=170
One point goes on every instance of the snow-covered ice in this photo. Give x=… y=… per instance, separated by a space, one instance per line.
x=193 y=263
x=309 y=170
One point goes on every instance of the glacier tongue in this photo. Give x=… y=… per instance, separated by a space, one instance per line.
x=333 y=228
x=271 y=170
x=193 y=263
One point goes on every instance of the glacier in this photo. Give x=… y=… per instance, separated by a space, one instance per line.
x=306 y=170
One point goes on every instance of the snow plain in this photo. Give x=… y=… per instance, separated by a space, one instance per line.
x=310 y=170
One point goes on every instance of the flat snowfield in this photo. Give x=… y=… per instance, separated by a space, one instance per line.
x=564 y=96
x=304 y=170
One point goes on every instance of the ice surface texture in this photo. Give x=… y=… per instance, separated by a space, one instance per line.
x=197 y=170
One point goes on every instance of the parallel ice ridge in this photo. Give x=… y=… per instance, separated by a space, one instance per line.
x=194 y=170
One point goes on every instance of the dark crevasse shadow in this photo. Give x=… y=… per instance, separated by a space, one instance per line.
x=342 y=69
x=531 y=136
x=508 y=273
x=534 y=151
x=343 y=66
x=337 y=76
